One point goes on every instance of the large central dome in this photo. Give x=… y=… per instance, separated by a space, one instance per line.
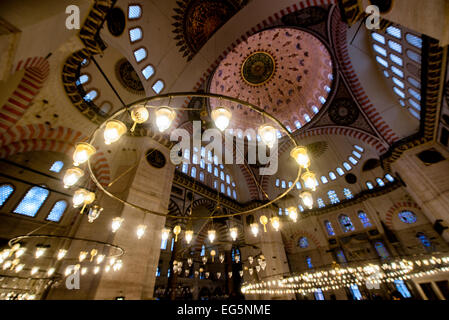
x=287 y=72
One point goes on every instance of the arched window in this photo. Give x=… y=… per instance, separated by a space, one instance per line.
x=216 y=171
x=324 y=180
x=340 y=171
x=333 y=197
x=329 y=228
x=319 y=294
x=297 y=124
x=298 y=185
x=359 y=148
x=301 y=208
x=356 y=295
x=303 y=242
x=332 y=175
x=381 y=250
x=228 y=191
x=424 y=240
x=202 y=164
x=185 y=168
x=347 y=193
x=202 y=176
x=209 y=168
x=57 y=211
x=389 y=177
x=278 y=182
x=309 y=262
x=32 y=202
x=6 y=190
x=223 y=188
x=346 y=223
x=352 y=160
x=195 y=158
x=320 y=203
x=57 y=166
x=280 y=211
x=140 y=54
x=134 y=12
x=369 y=185
x=322 y=100
x=380 y=182
x=82 y=79
x=172 y=244
x=106 y=107
x=164 y=244
x=228 y=179
x=364 y=219
x=283 y=184
x=315 y=108
x=135 y=34
x=222 y=176
x=234 y=194
x=193 y=172
x=307 y=117
x=158 y=86
x=148 y=72
x=402 y=288
x=347 y=166
x=355 y=153
x=216 y=184
x=203 y=251
x=91 y=96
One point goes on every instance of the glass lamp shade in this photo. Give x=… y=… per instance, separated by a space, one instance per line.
x=165 y=233
x=310 y=181
x=89 y=198
x=141 y=231
x=116 y=223
x=94 y=213
x=268 y=135
x=72 y=176
x=234 y=233
x=255 y=229
x=275 y=223
x=293 y=213
x=189 y=236
x=222 y=118
x=176 y=231
x=301 y=157
x=139 y=115
x=211 y=234
x=79 y=197
x=307 y=199
x=113 y=131
x=264 y=220
x=83 y=151
x=164 y=118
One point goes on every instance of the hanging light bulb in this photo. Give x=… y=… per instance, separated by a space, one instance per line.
x=234 y=233
x=218 y=275
x=268 y=135
x=204 y=259
x=250 y=260
x=61 y=254
x=72 y=176
x=113 y=131
x=186 y=272
x=20 y=252
x=189 y=236
x=68 y=270
x=18 y=268
x=141 y=231
x=82 y=256
x=94 y=213
x=221 y=257
x=107 y=268
x=50 y=272
x=34 y=270
x=176 y=231
x=230 y=274
x=310 y=181
x=83 y=271
x=96 y=269
x=79 y=197
x=7 y=265
x=211 y=235
x=212 y=254
x=165 y=233
x=275 y=223
x=190 y=262
x=116 y=223
x=237 y=258
x=164 y=118
x=264 y=220
x=255 y=229
x=100 y=258
x=83 y=151
x=307 y=199
x=139 y=115
x=301 y=156
x=40 y=252
x=241 y=273
x=221 y=117
x=293 y=213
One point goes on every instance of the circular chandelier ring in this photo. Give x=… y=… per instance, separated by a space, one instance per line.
x=190 y=95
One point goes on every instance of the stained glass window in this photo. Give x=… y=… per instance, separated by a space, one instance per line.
x=32 y=202
x=347 y=193
x=301 y=208
x=346 y=223
x=315 y=108
x=203 y=251
x=283 y=184
x=402 y=288
x=414 y=40
x=329 y=228
x=297 y=124
x=352 y=160
x=309 y=262
x=381 y=250
x=202 y=176
x=6 y=190
x=380 y=182
x=307 y=117
x=378 y=37
x=364 y=219
x=394 y=31
x=424 y=240
x=340 y=171
x=369 y=185
x=356 y=295
x=278 y=182
x=341 y=258
x=185 y=168
x=407 y=217
x=359 y=148
x=320 y=203
x=298 y=185
x=172 y=244
x=332 y=175
x=193 y=172
x=164 y=244
x=333 y=196
x=234 y=194
x=303 y=242
x=57 y=211
x=319 y=294
x=347 y=166
x=355 y=153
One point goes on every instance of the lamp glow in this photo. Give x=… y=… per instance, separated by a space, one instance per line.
x=83 y=151
x=141 y=231
x=164 y=118
x=113 y=131
x=116 y=223
x=40 y=252
x=293 y=213
x=189 y=236
x=72 y=176
x=268 y=135
x=275 y=223
x=19 y=268
x=211 y=234
x=176 y=231
x=139 y=115
x=234 y=233
x=79 y=197
x=165 y=233
x=310 y=181
x=50 y=272
x=82 y=256
x=255 y=229
x=307 y=199
x=61 y=254
x=20 y=252
x=301 y=156
x=96 y=269
x=34 y=270
x=100 y=258
x=221 y=117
